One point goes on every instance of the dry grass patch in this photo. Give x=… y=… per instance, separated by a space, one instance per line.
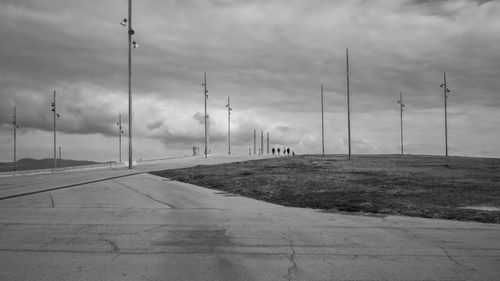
x=423 y=186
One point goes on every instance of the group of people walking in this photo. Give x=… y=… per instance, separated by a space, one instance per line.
x=286 y=151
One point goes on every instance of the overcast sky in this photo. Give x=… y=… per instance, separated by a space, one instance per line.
x=270 y=57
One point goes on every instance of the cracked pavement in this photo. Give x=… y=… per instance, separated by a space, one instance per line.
x=137 y=226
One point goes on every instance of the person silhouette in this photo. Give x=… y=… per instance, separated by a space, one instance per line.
x=273 y=150
x=288 y=151
x=278 y=151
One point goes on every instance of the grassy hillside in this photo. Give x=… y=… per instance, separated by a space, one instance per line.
x=423 y=186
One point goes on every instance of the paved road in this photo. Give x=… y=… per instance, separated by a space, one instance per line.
x=42 y=180
x=143 y=227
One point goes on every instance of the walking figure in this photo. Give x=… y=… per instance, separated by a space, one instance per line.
x=273 y=150
x=278 y=151
x=288 y=151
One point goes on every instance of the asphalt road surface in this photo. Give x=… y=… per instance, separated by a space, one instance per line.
x=129 y=225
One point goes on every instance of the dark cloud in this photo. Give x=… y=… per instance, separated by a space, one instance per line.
x=283 y=128
x=154 y=125
x=269 y=56
x=199 y=117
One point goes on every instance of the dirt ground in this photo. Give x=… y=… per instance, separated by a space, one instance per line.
x=422 y=186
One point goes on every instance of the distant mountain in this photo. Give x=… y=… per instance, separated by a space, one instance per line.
x=35 y=164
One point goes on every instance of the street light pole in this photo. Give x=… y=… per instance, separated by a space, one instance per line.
x=205 y=96
x=322 y=125
x=445 y=94
x=254 y=141
x=120 y=132
x=54 y=109
x=228 y=105
x=445 y=117
x=14 y=122
x=267 y=142
x=262 y=142
x=130 y=33
x=348 y=104
x=401 y=107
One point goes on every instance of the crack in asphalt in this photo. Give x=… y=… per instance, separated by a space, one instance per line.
x=149 y=229
x=110 y=242
x=465 y=268
x=449 y=257
x=80 y=229
x=293 y=268
x=144 y=194
x=51 y=200
x=40 y=248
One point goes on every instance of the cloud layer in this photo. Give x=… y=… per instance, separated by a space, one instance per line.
x=270 y=57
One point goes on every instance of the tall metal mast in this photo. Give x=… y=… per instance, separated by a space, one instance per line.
x=401 y=108
x=445 y=95
x=261 y=142
x=267 y=142
x=54 y=109
x=130 y=114
x=205 y=96
x=228 y=105
x=348 y=104
x=14 y=122
x=254 y=141
x=322 y=125
x=120 y=132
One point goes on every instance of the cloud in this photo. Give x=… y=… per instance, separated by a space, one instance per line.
x=199 y=117
x=283 y=129
x=269 y=56
x=155 y=125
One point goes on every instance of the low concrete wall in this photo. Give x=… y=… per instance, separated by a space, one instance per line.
x=63 y=169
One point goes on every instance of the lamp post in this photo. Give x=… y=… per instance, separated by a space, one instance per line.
x=267 y=142
x=56 y=115
x=14 y=123
x=401 y=108
x=205 y=97
x=228 y=105
x=120 y=133
x=348 y=104
x=254 y=141
x=445 y=95
x=125 y=22
x=322 y=125
x=261 y=142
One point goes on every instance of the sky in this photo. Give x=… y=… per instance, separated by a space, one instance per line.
x=269 y=57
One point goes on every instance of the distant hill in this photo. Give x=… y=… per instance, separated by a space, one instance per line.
x=35 y=164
